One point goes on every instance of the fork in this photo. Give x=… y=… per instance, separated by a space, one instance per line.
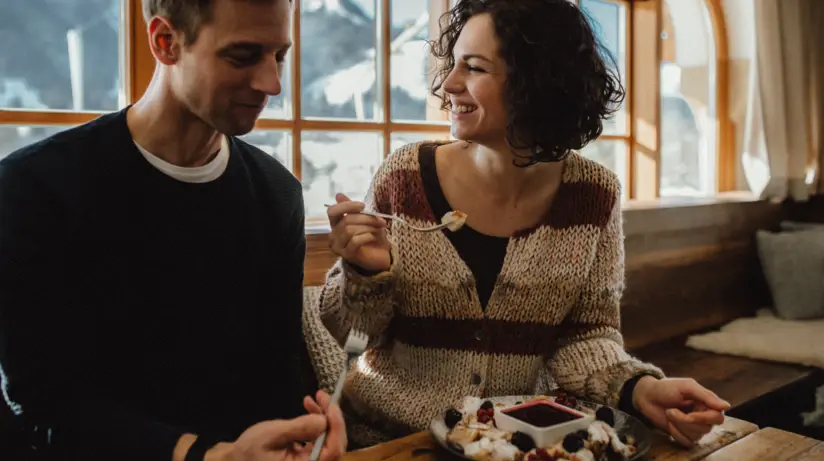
x=355 y=345
x=400 y=220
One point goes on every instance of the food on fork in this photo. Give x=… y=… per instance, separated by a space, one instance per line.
x=473 y=432
x=454 y=220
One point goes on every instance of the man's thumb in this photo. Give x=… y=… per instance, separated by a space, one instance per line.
x=340 y=198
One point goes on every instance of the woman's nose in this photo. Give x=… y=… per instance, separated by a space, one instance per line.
x=453 y=83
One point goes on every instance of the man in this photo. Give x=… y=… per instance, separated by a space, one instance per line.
x=151 y=264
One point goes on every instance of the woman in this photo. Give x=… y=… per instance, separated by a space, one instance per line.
x=532 y=282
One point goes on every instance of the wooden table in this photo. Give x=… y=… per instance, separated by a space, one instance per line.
x=735 y=440
x=773 y=444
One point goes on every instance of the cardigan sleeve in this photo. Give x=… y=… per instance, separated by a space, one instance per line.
x=351 y=299
x=590 y=360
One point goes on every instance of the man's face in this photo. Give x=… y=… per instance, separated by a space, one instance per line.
x=227 y=75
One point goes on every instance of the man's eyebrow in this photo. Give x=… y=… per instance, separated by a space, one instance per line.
x=254 y=47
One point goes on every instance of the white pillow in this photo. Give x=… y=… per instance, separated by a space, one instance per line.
x=793 y=264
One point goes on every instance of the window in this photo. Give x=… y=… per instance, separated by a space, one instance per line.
x=667 y=144
x=362 y=90
x=357 y=86
x=609 y=20
x=64 y=69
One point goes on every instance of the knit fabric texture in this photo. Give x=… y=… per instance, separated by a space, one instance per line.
x=554 y=310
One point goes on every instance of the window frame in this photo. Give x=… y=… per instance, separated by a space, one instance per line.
x=643 y=58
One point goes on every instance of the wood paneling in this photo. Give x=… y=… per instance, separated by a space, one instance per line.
x=319 y=259
x=689 y=268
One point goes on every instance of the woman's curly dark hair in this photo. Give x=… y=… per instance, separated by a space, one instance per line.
x=559 y=86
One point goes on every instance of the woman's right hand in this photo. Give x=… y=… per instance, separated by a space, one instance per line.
x=358 y=238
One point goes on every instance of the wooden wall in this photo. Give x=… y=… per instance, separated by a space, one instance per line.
x=691 y=268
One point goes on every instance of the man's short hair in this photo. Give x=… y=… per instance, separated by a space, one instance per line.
x=185 y=15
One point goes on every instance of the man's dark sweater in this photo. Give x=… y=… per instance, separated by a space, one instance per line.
x=135 y=307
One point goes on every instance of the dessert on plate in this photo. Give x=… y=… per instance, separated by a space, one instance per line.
x=474 y=432
x=454 y=220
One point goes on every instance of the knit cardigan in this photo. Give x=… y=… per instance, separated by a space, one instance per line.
x=554 y=308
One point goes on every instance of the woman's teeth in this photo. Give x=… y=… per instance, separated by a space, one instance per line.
x=463 y=109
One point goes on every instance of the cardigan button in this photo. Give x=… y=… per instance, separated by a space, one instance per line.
x=476 y=379
x=479 y=335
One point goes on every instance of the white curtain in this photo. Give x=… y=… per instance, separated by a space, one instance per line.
x=782 y=147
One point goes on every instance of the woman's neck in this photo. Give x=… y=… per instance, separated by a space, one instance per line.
x=497 y=170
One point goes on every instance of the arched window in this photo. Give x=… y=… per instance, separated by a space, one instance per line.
x=668 y=144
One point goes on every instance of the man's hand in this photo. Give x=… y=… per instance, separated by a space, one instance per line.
x=679 y=406
x=289 y=440
x=336 y=441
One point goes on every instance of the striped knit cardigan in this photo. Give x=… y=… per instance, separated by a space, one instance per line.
x=554 y=309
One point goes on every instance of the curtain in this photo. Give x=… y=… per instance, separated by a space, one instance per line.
x=782 y=147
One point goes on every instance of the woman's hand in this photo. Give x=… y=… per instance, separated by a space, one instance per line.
x=679 y=406
x=358 y=238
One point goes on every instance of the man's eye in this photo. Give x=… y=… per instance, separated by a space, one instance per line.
x=244 y=60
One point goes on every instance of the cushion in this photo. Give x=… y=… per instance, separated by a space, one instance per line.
x=767 y=337
x=793 y=264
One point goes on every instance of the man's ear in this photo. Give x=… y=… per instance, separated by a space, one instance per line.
x=165 y=42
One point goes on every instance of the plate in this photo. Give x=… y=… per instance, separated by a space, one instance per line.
x=624 y=424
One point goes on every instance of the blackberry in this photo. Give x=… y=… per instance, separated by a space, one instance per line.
x=523 y=441
x=487 y=405
x=573 y=443
x=623 y=438
x=606 y=415
x=452 y=417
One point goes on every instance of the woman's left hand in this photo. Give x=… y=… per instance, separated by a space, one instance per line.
x=679 y=406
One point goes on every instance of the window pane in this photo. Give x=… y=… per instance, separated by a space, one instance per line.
x=66 y=55
x=277 y=143
x=337 y=161
x=688 y=151
x=398 y=140
x=613 y=155
x=610 y=24
x=412 y=66
x=338 y=60
x=13 y=137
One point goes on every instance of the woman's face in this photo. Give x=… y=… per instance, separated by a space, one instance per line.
x=475 y=86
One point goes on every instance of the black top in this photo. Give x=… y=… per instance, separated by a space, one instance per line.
x=135 y=307
x=483 y=254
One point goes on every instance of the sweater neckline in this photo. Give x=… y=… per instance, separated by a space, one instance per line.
x=470 y=284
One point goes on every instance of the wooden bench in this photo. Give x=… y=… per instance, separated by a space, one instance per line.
x=691 y=270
